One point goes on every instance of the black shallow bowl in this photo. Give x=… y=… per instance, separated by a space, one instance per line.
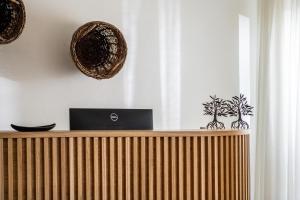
x=33 y=129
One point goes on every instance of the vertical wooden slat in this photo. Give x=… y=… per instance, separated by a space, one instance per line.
x=247 y=173
x=88 y=168
x=209 y=166
x=46 y=169
x=38 y=193
x=143 y=168
x=1 y=171
x=247 y=167
x=79 y=169
x=104 y=167
x=240 y=160
x=173 y=168
x=166 y=168
x=10 y=170
x=244 y=169
x=195 y=168
x=28 y=169
x=222 y=189
x=180 y=168
x=63 y=166
x=71 y=159
x=216 y=168
x=232 y=166
x=151 y=170
x=236 y=154
x=188 y=168
x=20 y=168
x=128 y=163
x=136 y=176
x=158 y=170
x=96 y=168
x=120 y=169
x=54 y=168
x=203 y=168
x=112 y=169
x=227 y=175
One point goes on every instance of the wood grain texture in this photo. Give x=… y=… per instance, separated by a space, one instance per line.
x=96 y=168
x=11 y=176
x=158 y=169
x=54 y=169
x=173 y=170
x=151 y=169
x=88 y=186
x=216 y=169
x=137 y=166
x=166 y=178
x=112 y=164
x=120 y=169
x=127 y=169
x=38 y=183
x=143 y=168
x=104 y=169
x=135 y=172
x=180 y=169
x=63 y=168
x=71 y=169
x=1 y=171
x=195 y=169
x=188 y=168
x=47 y=169
x=20 y=168
x=79 y=169
x=204 y=180
x=28 y=168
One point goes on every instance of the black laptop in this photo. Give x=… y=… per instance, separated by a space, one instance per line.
x=111 y=119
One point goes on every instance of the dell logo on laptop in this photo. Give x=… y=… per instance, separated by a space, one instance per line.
x=114 y=117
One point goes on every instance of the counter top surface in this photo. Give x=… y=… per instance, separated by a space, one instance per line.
x=154 y=133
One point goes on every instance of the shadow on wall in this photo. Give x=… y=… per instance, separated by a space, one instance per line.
x=42 y=51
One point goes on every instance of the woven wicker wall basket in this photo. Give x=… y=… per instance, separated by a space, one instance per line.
x=12 y=20
x=99 y=50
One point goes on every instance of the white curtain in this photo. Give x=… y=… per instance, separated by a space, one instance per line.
x=278 y=130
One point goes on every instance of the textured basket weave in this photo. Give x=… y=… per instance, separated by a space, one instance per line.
x=12 y=20
x=99 y=50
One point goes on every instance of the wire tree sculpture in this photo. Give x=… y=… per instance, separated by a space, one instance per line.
x=239 y=107
x=217 y=108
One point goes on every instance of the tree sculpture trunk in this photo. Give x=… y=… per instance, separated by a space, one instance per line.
x=215 y=124
x=240 y=123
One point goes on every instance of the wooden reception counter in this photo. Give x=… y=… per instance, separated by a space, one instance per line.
x=186 y=165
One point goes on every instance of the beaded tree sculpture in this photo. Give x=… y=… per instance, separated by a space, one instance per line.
x=217 y=108
x=239 y=107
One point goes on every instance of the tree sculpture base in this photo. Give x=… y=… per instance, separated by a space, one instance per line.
x=215 y=125
x=239 y=124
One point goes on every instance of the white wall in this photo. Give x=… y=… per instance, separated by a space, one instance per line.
x=180 y=52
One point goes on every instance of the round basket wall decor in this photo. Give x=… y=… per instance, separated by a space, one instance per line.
x=99 y=50
x=12 y=20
